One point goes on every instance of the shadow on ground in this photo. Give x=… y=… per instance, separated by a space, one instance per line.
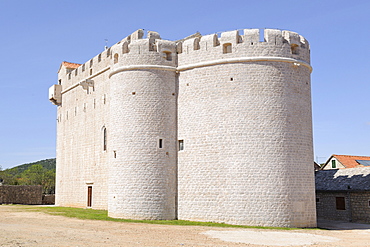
x=341 y=225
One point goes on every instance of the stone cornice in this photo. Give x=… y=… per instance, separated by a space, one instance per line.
x=295 y=62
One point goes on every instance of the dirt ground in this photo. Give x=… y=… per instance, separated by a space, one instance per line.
x=25 y=228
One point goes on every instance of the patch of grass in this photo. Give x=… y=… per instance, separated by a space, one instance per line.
x=93 y=214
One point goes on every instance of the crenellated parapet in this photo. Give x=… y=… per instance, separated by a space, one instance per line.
x=251 y=45
x=144 y=53
x=139 y=52
x=136 y=52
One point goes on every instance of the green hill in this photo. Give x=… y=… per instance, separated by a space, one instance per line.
x=36 y=173
x=48 y=164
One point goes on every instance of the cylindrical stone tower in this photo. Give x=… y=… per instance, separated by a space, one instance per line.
x=142 y=140
x=245 y=130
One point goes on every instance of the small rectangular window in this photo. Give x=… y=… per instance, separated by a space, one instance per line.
x=227 y=48
x=333 y=164
x=294 y=48
x=317 y=200
x=369 y=203
x=340 y=203
x=181 y=145
x=160 y=144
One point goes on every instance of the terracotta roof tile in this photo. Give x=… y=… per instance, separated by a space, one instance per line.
x=349 y=161
x=71 y=65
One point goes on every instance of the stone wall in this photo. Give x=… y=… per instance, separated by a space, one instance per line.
x=21 y=194
x=48 y=199
x=243 y=125
x=360 y=204
x=241 y=106
x=142 y=134
x=357 y=207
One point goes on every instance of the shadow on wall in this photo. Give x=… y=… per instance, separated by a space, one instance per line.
x=351 y=179
x=343 y=195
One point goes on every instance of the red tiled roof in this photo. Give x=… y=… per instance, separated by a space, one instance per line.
x=70 y=65
x=349 y=161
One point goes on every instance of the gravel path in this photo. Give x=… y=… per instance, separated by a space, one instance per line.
x=25 y=228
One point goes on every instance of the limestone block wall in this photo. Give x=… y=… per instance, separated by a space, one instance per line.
x=360 y=205
x=326 y=206
x=357 y=208
x=246 y=129
x=82 y=117
x=142 y=178
x=240 y=107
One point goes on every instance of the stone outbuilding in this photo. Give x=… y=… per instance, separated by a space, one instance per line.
x=343 y=194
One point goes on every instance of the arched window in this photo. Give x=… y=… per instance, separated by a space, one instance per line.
x=125 y=47
x=104 y=139
x=99 y=58
x=196 y=44
x=116 y=58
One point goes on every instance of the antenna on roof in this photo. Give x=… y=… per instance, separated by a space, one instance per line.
x=106 y=44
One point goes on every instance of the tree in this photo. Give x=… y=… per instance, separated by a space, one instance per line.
x=9 y=176
x=48 y=181
x=37 y=175
x=32 y=176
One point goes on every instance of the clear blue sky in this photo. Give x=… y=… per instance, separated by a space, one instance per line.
x=36 y=36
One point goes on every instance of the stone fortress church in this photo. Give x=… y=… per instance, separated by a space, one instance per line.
x=208 y=128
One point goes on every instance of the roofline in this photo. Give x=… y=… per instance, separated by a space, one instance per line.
x=322 y=168
x=334 y=155
x=62 y=64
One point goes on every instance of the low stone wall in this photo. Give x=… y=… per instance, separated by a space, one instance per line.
x=48 y=199
x=21 y=194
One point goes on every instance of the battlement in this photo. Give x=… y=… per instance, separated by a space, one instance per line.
x=133 y=49
x=244 y=45
x=136 y=49
x=249 y=37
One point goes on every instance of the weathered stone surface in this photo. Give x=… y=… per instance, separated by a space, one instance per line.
x=21 y=194
x=241 y=107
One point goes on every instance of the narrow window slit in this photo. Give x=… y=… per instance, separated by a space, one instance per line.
x=160 y=144
x=181 y=145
